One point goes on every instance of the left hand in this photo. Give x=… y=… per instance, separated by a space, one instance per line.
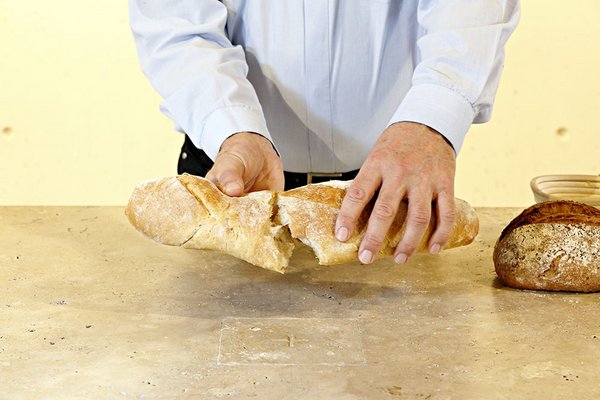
x=412 y=161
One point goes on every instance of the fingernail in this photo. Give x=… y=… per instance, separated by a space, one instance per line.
x=434 y=249
x=366 y=257
x=400 y=258
x=342 y=234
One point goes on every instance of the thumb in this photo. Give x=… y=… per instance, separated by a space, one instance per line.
x=227 y=173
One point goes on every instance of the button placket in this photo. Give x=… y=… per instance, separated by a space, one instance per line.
x=317 y=63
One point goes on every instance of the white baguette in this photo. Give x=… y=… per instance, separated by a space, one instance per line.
x=310 y=213
x=259 y=228
x=191 y=212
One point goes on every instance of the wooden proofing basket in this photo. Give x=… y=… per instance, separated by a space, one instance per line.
x=581 y=188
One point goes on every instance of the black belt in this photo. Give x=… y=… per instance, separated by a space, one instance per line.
x=195 y=161
x=296 y=179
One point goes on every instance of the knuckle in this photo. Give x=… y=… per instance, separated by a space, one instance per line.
x=383 y=210
x=345 y=219
x=446 y=190
x=407 y=248
x=372 y=241
x=448 y=217
x=356 y=194
x=396 y=174
x=419 y=218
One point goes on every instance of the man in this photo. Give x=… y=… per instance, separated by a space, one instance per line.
x=380 y=90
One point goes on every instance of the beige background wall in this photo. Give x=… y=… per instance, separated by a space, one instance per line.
x=79 y=124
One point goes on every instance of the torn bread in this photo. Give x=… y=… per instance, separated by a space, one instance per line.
x=259 y=228
x=310 y=213
x=191 y=212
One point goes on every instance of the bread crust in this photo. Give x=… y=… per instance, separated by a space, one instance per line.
x=551 y=246
x=191 y=212
x=165 y=211
x=311 y=211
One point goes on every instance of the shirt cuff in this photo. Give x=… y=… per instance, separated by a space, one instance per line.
x=440 y=108
x=225 y=122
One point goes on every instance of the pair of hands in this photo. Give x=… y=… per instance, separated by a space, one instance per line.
x=408 y=161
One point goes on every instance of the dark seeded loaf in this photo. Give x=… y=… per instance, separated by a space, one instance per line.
x=551 y=246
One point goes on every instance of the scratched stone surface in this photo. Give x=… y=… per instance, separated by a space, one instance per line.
x=90 y=309
x=291 y=341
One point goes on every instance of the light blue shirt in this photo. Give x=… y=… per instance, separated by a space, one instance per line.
x=322 y=78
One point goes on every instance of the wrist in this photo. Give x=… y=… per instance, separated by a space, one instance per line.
x=419 y=128
x=252 y=141
x=247 y=138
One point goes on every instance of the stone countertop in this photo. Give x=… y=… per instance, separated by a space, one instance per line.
x=91 y=309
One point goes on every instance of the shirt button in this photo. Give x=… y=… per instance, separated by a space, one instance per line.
x=183 y=155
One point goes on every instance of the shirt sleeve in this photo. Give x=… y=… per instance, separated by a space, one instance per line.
x=185 y=53
x=460 y=56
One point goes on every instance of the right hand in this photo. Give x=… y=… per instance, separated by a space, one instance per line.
x=247 y=162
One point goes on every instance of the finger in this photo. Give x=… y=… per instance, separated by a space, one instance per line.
x=357 y=196
x=274 y=183
x=417 y=220
x=446 y=215
x=278 y=182
x=380 y=220
x=274 y=180
x=228 y=173
x=210 y=175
